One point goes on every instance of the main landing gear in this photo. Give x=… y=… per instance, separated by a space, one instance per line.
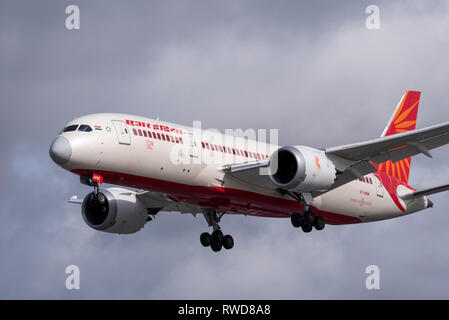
x=216 y=241
x=308 y=220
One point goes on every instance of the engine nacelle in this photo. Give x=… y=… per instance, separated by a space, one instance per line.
x=120 y=212
x=301 y=169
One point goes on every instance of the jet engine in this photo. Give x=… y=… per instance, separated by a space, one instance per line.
x=114 y=210
x=301 y=169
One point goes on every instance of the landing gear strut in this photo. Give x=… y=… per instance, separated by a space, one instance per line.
x=216 y=240
x=308 y=219
x=100 y=197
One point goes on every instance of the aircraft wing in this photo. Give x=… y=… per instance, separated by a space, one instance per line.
x=162 y=202
x=155 y=202
x=355 y=160
x=250 y=173
x=395 y=147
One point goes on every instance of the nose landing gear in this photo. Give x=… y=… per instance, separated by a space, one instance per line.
x=94 y=182
x=216 y=241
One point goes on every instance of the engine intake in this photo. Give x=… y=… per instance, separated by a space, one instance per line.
x=302 y=169
x=114 y=210
x=100 y=216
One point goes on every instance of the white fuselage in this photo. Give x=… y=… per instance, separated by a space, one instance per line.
x=187 y=170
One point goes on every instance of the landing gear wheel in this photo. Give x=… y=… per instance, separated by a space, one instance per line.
x=101 y=198
x=205 y=239
x=306 y=227
x=216 y=240
x=228 y=242
x=296 y=220
x=217 y=236
x=308 y=217
x=216 y=246
x=319 y=223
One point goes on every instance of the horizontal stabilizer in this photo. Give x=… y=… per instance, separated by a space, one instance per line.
x=425 y=192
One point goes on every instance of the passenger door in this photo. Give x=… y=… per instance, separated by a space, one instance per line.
x=123 y=134
x=193 y=147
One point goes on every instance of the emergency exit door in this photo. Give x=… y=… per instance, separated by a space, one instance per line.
x=380 y=189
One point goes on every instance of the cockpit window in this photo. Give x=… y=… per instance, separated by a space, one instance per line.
x=73 y=127
x=85 y=128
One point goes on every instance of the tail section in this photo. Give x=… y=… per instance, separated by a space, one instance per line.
x=403 y=119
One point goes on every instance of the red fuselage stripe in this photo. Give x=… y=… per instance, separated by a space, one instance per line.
x=219 y=198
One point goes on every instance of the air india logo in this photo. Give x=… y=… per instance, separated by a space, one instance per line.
x=404 y=120
x=317 y=162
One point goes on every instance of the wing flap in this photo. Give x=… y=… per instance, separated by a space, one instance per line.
x=250 y=173
x=164 y=203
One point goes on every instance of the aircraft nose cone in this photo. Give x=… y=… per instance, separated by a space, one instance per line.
x=60 y=150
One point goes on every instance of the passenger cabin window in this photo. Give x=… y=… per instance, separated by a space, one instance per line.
x=73 y=127
x=85 y=128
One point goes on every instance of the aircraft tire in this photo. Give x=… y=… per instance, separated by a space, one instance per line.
x=205 y=239
x=228 y=242
x=308 y=217
x=216 y=246
x=296 y=220
x=101 y=198
x=217 y=236
x=319 y=223
x=306 y=227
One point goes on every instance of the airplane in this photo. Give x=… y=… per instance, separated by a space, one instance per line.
x=161 y=167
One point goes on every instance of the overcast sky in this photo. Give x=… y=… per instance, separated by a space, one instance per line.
x=310 y=69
